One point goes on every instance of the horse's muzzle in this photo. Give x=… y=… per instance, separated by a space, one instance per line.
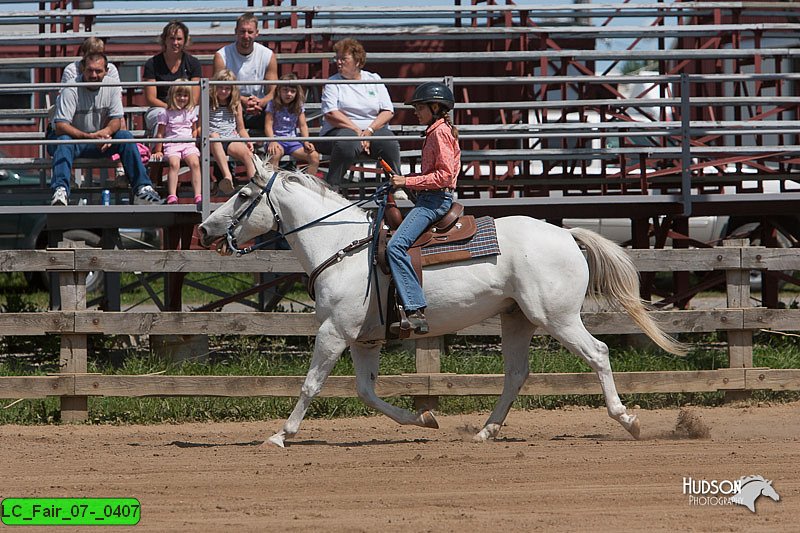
x=203 y=237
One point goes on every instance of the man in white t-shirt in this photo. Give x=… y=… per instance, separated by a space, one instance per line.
x=249 y=61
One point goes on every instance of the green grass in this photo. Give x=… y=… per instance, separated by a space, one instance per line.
x=236 y=355
x=225 y=282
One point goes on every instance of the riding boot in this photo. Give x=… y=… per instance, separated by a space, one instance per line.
x=417 y=322
x=414 y=320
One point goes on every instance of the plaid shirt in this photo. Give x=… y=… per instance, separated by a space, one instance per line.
x=441 y=159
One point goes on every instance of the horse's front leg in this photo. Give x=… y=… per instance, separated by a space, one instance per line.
x=328 y=347
x=366 y=361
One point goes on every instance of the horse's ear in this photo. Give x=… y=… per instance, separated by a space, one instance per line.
x=261 y=167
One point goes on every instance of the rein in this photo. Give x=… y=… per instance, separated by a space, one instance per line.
x=378 y=196
x=232 y=243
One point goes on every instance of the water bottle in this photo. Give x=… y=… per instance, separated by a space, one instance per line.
x=106 y=196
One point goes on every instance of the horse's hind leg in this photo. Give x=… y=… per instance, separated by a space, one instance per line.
x=365 y=359
x=574 y=336
x=328 y=347
x=517 y=331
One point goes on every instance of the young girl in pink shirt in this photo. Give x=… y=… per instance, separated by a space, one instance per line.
x=179 y=121
x=441 y=163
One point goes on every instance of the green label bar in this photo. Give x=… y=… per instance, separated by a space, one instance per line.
x=70 y=511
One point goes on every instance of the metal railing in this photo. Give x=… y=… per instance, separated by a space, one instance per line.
x=627 y=144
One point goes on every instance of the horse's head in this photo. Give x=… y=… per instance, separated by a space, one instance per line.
x=244 y=216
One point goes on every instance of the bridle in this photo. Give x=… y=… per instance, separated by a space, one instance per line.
x=381 y=191
x=379 y=196
x=265 y=190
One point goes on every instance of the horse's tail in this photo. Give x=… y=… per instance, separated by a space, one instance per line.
x=613 y=276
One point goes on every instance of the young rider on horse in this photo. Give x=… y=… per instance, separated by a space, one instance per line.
x=441 y=163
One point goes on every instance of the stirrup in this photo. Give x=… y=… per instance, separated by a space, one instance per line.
x=414 y=321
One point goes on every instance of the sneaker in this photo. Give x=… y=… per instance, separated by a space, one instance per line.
x=225 y=186
x=146 y=195
x=59 y=197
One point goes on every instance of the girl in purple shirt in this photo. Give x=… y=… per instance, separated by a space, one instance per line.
x=284 y=116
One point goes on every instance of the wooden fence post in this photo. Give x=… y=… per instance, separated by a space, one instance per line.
x=740 y=342
x=428 y=360
x=72 y=360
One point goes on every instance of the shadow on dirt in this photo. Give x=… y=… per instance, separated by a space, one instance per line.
x=184 y=444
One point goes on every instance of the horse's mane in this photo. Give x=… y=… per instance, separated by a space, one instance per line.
x=309 y=182
x=317 y=185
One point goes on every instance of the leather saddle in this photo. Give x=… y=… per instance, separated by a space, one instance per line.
x=454 y=226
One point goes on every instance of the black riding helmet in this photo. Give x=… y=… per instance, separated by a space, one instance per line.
x=433 y=92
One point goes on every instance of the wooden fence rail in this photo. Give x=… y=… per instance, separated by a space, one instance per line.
x=74 y=323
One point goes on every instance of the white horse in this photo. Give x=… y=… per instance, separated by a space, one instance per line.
x=539 y=281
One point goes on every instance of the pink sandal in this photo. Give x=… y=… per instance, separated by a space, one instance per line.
x=172 y=199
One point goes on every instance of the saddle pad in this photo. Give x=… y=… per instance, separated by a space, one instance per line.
x=483 y=243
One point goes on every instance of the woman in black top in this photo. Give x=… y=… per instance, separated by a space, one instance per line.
x=171 y=64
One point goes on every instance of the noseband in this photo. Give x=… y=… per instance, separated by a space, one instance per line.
x=232 y=244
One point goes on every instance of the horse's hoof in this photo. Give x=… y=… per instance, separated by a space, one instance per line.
x=634 y=428
x=276 y=439
x=479 y=437
x=427 y=420
x=489 y=431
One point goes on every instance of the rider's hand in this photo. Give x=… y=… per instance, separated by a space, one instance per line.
x=398 y=180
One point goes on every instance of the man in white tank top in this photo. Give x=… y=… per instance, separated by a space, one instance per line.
x=250 y=61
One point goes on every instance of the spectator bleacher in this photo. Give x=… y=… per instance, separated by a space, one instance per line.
x=539 y=88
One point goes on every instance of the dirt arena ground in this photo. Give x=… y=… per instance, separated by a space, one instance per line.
x=564 y=470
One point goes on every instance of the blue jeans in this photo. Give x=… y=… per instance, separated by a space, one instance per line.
x=64 y=156
x=430 y=207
